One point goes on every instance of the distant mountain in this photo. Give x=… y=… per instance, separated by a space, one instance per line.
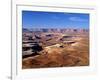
x=25 y=30
x=54 y=30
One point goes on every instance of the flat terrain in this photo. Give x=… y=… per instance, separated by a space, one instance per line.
x=55 y=49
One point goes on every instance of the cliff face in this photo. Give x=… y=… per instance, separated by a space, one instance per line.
x=76 y=54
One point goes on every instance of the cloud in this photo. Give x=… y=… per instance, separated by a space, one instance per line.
x=77 y=19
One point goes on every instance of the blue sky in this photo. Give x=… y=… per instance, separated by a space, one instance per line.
x=33 y=19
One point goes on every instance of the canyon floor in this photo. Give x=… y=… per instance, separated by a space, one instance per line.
x=58 y=50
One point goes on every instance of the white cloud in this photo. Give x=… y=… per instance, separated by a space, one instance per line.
x=77 y=19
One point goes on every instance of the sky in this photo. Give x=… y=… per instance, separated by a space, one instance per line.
x=36 y=19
